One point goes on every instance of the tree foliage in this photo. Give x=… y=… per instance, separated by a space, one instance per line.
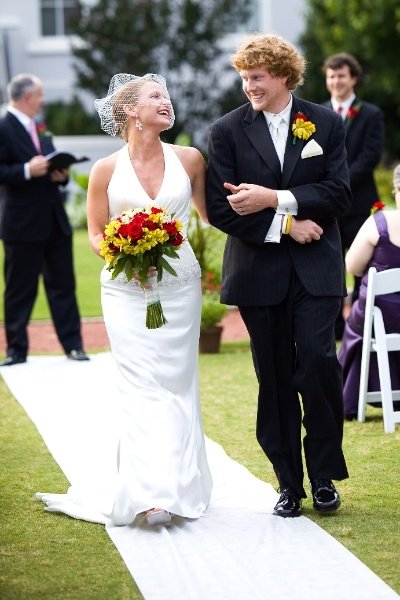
x=70 y=118
x=181 y=39
x=370 y=30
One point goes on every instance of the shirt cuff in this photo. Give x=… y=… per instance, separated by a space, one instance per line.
x=27 y=172
x=274 y=232
x=287 y=203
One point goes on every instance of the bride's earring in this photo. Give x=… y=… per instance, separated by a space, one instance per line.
x=138 y=124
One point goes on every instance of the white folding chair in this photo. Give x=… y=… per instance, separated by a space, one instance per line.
x=384 y=282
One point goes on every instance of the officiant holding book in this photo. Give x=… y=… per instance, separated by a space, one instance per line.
x=34 y=226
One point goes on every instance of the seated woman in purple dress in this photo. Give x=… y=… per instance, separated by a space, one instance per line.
x=377 y=244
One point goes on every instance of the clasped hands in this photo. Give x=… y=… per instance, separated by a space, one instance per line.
x=39 y=166
x=248 y=198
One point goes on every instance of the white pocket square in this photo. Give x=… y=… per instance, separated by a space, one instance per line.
x=312 y=148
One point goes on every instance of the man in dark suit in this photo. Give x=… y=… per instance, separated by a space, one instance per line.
x=364 y=128
x=277 y=192
x=34 y=227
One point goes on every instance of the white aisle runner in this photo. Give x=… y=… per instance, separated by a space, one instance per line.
x=236 y=551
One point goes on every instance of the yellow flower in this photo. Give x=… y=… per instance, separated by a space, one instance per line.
x=111 y=228
x=302 y=127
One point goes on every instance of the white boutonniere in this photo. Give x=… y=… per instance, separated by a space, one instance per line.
x=312 y=148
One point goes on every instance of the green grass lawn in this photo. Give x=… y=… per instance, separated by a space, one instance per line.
x=53 y=557
x=57 y=558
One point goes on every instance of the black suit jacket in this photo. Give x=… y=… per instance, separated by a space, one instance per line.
x=29 y=207
x=241 y=150
x=364 y=144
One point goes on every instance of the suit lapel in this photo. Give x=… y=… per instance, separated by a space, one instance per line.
x=257 y=131
x=20 y=132
x=356 y=104
x=260 y=137
x=292 y=151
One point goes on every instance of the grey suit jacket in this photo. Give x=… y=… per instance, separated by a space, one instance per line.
x=241 y=150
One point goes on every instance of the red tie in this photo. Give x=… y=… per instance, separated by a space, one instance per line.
x=340 y=110
x=34 y=136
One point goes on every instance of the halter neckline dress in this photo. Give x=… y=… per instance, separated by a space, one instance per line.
x=161 y=459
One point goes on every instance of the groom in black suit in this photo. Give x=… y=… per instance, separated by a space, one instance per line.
x=277 y=181
x=34 y=227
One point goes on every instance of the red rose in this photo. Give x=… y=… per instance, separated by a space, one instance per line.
x=132 y=230
x=378 y=205
x=123 y=230
x=177 y=240
x=301 y=115
x=170 y=228
x=352 y=112
x=139 y=218
x=155 y=210
x=150 y=225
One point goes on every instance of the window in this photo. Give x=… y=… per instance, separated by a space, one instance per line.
x=56 y=16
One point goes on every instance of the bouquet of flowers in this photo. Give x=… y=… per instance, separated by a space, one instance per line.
x=137 y=240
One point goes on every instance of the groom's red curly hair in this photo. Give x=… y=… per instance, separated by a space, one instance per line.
x=277 y=55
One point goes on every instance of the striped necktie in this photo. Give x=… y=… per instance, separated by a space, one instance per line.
x=340 y=111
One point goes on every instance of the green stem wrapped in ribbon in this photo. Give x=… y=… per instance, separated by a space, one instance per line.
x=155 y=317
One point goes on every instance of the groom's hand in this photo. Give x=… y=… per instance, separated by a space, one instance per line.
x=305 y=231
x=248 y=198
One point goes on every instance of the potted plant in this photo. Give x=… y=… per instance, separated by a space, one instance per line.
x=212 y=312
x=208 y=244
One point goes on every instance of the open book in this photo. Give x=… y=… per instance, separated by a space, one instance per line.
x=63 y=160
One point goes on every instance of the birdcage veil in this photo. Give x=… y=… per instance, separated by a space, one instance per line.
x=124 y=93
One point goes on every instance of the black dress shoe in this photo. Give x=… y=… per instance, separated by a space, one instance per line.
x=288 y=504
x=12 y=360
x=77 y=355
x=325 y=496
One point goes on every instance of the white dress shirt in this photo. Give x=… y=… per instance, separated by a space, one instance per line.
x=345 y=105
x=287 y=204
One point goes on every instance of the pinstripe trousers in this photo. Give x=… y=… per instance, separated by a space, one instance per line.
x=300 y=381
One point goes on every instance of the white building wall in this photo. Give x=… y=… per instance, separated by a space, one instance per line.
x=282 y=17
x=29 y=52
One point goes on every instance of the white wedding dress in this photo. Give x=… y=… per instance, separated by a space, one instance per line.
x=160 y=456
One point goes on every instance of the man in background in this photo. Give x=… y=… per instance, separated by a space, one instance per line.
x=364 y=127
x=34 y=227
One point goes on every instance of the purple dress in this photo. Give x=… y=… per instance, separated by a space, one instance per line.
x=386 y=256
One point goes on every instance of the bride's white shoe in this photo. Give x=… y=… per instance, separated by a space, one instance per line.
x=157 y=516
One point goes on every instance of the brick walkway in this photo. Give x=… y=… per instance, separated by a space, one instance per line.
x=42 y=337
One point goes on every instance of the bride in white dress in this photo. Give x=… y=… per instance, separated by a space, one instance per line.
x=161 y=464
